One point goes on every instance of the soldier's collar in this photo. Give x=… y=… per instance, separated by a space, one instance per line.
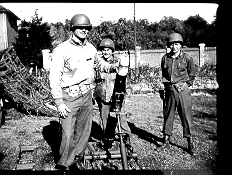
x=75 y=41
x=179 y=56
x=110 y=59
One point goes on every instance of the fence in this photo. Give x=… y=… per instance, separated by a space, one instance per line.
x=200 y=56
x=148 y=64
x=148 y=67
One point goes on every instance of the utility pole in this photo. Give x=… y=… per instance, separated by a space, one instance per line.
x=135 y=42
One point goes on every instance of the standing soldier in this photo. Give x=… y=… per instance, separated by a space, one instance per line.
x=71 y=76
x=106 y=84
x=178 y=73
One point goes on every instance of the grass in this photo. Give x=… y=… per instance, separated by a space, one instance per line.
x=145 y=118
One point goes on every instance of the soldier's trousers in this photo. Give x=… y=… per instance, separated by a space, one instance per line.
x=109 y=123
x=182 y=102
x=76 y=128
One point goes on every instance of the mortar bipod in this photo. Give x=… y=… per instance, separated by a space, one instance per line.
x=121 y=148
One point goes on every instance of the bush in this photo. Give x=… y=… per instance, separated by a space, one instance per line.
x=152 y=76
x=32 y=38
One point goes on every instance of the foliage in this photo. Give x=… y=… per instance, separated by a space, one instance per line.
x=207 y=70
x=98 y=32
x=166 y=26
x=121 y=33
x=124 y=34
x=59 y=33
x=197 y=31
x=194 y=30
x=33 y=37
x=152 y=77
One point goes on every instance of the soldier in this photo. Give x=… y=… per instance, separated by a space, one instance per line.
x=71 y=77
x=105 y=87
x=178 y=74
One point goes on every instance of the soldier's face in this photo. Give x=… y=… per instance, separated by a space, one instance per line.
x=107 y=52
x=81 y=32
x=175 y=47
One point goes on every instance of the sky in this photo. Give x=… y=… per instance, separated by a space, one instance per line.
x=98 y=12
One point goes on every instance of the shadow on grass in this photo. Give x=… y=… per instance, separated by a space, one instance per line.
x=111 y=125
x=145 y=135
x=2 y=117
x=203 y=115
x=184 y=148
x=52 y=135
x=208 y=130
x=9 y=103
x=2 y=156
x=212 y=164
x=96 y=131
x=206 y=90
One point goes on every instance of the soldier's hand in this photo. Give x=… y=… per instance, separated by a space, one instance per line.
x=180 y=86
x=63 y=109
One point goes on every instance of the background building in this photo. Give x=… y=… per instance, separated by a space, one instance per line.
x=8 y=27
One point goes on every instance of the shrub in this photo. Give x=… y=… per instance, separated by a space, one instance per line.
x=32 y=38
x=152 y=76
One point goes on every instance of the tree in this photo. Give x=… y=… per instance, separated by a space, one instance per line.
x=59 y=33
x=195 y=31
x=142 y=34
x=33 y=37
x=210 y=34
x=120 y=32
x=98 y=33
x=124 y=39
x=166 y=26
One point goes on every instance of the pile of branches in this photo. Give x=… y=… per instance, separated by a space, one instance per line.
x=30 y=92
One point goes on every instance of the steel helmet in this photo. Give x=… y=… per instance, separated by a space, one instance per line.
x=80 y=20
x=174 y=37
x=107 y=43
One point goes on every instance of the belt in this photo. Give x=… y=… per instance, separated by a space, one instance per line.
x=176 y=86
x=77 y=90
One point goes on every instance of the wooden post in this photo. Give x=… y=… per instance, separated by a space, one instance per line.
x=135 y=43
x=46 y=59
x=202 y=54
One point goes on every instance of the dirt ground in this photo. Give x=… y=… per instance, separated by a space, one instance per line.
x=145 y=119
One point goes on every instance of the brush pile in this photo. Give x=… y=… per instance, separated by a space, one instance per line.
x=30 y=93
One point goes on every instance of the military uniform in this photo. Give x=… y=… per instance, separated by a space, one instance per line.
x=105 y=84
x=71 y=80
x=177 y=75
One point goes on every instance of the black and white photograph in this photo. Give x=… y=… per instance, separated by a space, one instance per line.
x=109 y=86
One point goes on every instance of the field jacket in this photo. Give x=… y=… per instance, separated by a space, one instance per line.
x=73 y=63
x=105 y=81
x=177 y=70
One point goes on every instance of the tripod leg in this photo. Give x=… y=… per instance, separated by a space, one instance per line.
x=123 y=149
